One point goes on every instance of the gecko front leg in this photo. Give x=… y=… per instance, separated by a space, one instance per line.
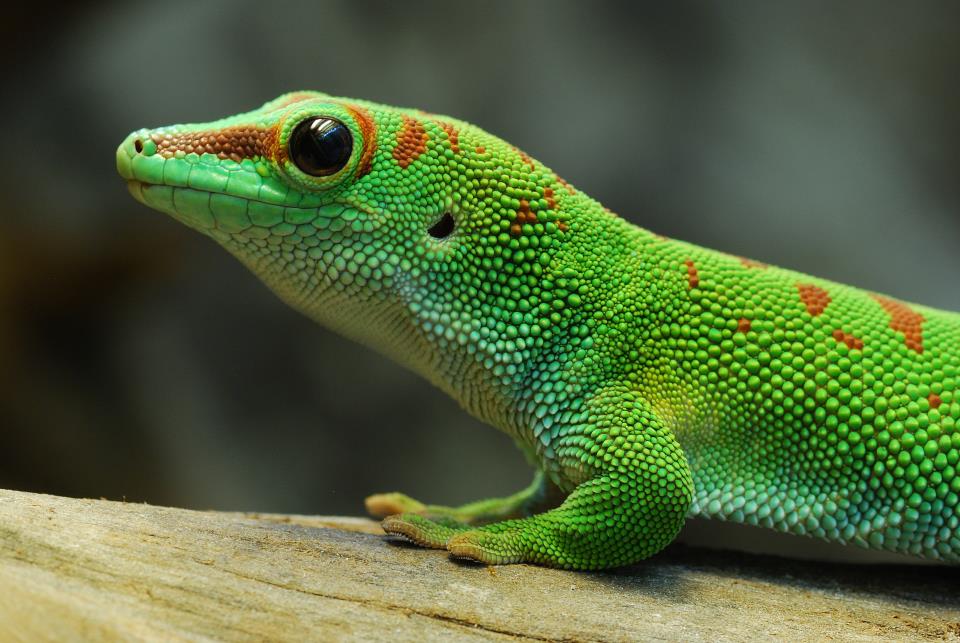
x=631 y=503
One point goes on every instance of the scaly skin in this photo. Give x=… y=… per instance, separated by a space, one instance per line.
x=647 y=379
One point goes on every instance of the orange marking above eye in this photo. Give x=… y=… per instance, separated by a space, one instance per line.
x=291 y=99
x=693 y=277
x=816 y=299
x=905 y=320
x=411 y=142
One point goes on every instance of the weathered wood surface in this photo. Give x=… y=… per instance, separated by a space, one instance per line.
x=98 y=570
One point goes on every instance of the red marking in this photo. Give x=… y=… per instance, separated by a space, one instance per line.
x=271 y=145
x=935 y=401
x=523 y=157
x=750 y=263
x=411 y=142
x=905 y=320
x=853 y=343
x=744 y=325
x=236 y=142
x=368 y=128
x=453 y=137
x=693 y=277
x=566 y=185
x=524 y=215
x=481 y=149
x=563 y=226
x=816 y=299
x=548 y=196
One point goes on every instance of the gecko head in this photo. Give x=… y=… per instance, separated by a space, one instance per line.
x=414 y=232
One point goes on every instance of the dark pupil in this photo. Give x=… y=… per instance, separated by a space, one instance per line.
x=321 y=146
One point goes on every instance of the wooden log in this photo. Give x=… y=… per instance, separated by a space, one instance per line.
x=99 y=570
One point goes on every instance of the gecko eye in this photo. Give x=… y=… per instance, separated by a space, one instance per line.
x=321 y=146
x=442 y=228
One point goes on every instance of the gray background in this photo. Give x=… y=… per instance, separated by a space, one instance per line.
x=140 y=361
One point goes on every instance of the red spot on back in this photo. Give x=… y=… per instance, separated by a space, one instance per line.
x=566 y=185
x=816 y=299
x=853 y=343
x=481 y=149
x=935 y=401
x=411 y=142
x=524 y=215
x=750 y=263
x=905 y=320
x=525 y=158
x=744 y=325
x=693 y=277
x=368 y=128
x=453 y=136
x=548 y=197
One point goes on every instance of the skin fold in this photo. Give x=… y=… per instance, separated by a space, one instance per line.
x=646 y=379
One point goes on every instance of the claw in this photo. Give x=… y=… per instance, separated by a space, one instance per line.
x=419 y=530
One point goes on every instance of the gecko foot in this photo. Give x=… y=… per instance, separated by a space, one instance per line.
x=381 y=505
x=422 y=531
x=482 y=547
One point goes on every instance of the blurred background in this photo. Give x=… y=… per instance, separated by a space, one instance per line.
x=140 y=361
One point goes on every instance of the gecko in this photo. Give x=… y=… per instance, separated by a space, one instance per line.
x=647 y=380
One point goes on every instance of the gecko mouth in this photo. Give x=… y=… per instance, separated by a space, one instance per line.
x=208 y=211
x=223 y=197
x=204 y=210
x=215 y=195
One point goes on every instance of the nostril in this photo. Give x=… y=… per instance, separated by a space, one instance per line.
x=138 y=145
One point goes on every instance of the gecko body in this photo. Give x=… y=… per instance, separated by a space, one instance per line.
x=647 y=379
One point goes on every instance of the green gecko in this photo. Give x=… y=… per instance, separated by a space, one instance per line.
x=646 y=379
